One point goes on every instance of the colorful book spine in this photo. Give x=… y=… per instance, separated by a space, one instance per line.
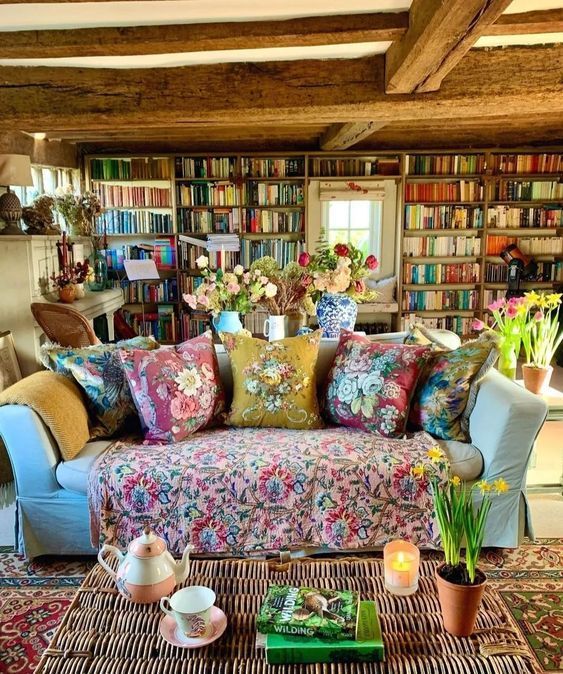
x=440 y=300
x=205 y=167
x=256 y=193
x=442 y=246
x=528 y=163
x=419 y=216
x=458 y=190
x=256 y=167
x=441 y=273
x=445 y=164
x=256 y=220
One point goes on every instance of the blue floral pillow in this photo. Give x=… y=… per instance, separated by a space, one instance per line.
x=99 y=372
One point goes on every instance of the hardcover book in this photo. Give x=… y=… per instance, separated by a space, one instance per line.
x=367 y=647
x=309 y=612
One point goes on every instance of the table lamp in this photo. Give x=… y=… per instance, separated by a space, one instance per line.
x=15 y=169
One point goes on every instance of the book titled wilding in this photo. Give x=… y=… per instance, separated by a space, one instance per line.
x=309 y=612
x=367 y=647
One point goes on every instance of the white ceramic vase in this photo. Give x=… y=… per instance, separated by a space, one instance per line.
x=275 y=327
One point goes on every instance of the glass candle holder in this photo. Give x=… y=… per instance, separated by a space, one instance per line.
x=401 y=560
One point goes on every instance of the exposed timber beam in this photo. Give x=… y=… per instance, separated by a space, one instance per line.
x=125 y=41
x=343 y=136
x=439 y=35
x=185 y=38
x=42 y=99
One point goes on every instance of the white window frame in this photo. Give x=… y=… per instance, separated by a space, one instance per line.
x=375 y=222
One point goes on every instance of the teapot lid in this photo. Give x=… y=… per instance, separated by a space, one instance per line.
x=147 y=545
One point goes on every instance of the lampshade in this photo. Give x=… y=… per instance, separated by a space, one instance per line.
x=15 y=169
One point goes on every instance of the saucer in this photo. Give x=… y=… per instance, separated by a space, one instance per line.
x=168 y=630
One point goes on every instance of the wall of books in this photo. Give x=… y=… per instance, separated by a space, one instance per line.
x=459 y=211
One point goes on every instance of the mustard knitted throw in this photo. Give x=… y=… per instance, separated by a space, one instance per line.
x=58 y=402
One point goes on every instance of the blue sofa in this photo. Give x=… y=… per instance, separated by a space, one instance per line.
x=52 y=514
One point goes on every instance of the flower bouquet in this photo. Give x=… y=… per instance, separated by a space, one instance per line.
x=79 y=211
x=228 y=294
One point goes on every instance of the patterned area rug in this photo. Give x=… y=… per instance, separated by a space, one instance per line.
x=34 y=597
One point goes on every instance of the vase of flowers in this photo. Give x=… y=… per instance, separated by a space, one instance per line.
x=462 y=512
x=287 y=308
x=227 y=295
x=338 y=276
x=64 y=283
x=541 y=337
x=78 y=210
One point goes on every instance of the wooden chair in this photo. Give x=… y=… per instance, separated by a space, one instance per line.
x=64 y=325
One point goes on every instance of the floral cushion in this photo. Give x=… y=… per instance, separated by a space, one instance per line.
x=370 y=384
x=447 y=390
x=274 y=383
x=176 y=392
x=98 y=371
x=242 y=490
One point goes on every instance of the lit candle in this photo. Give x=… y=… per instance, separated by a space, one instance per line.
x=401 y=561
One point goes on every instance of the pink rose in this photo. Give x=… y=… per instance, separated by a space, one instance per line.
x=204 y=301
x=341 y=250
x=304 y=259
x=511 y=311
x=190 y=300
x=371 y=262
x=233 y=287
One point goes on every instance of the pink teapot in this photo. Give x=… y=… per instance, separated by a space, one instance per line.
x=147 y=572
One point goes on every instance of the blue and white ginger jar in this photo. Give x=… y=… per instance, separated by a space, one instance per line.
x=336 y=312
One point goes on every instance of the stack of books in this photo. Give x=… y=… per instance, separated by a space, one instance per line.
x=308 y=625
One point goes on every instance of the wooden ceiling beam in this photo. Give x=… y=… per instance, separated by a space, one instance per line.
x=131 y=40
x=343 y=136
x=42 y=99
x=439 y=35
x=185 y=38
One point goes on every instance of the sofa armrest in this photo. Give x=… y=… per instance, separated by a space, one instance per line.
x=32 y=450
x=503 y=426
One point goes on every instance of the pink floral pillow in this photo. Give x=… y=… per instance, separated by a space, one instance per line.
x=370 y=384
x=176 y=391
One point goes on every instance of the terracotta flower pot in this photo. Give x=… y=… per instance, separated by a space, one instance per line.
x=459 y=604
x=536 y=379
x=67 y=294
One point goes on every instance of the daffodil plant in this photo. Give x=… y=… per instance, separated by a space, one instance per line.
x=541 y=333
x=458 y=516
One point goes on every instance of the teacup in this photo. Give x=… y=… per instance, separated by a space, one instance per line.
x=191 y=609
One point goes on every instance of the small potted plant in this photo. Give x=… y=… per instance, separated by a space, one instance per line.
x=82 y=273
x=461 y=583
x=64 y=282
x=338 y=283
x=228 y=294
x=541 y=337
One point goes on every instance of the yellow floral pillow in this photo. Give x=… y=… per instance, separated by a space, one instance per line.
x=274 y=382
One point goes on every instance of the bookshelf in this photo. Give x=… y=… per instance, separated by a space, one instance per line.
x=456 y=211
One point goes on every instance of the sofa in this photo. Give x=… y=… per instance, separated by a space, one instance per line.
x=53 y=514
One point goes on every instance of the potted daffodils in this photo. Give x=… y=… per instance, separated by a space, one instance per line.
x=541 y=337
x=460 y=582
x=228 y=294
x=338 y=276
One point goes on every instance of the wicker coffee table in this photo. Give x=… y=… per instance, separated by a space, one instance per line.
x=103 y=633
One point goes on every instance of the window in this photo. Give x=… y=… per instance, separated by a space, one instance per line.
x=46 y=180
x=357 y=222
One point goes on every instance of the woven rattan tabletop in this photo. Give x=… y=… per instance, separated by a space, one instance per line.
x=103 y=633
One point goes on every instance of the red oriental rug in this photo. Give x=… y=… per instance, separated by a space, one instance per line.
x=35 y=595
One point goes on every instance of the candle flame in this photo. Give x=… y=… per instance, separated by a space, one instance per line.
x=401 y=557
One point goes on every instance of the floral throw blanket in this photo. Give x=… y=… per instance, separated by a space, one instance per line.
x=253 y=490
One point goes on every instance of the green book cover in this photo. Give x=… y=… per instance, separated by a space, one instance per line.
x=368 y=647
x=309 y=612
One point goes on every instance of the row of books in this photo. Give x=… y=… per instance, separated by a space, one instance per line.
x=534 y=245
x=163 y=252
x=188 y=254
x=291 y=627
x=189 y=283
x=161 y=324
x=258 y=220
x=445 y=164
x=207 y=194
x=459 y=190
x=511 y=217
x=127 y=196
x=461 y=325
x=134 y=222
x=442 y=246
x=205 y=167
x=440 y=300
x=355 y=166
x=273 y=194
x=256 y=167
x=527 y=190
x=136 y=291
x=468 y=272
x=418 y=216
x=547 y=271
x=528 y=163
x=194 y=323
x=204 y=221
x=281 y=250
x=137 y=168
